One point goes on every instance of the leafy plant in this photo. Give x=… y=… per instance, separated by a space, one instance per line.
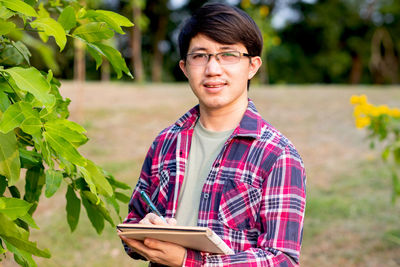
x=383 y=125
x=37 y=141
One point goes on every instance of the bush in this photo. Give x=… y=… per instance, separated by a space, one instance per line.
x=35 y=133
x=383 y=125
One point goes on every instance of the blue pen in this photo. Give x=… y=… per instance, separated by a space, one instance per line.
x=148 y=201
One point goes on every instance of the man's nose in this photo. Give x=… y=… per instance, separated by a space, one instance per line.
x=213 y=66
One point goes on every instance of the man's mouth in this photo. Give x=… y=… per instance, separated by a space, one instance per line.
x=214 y=85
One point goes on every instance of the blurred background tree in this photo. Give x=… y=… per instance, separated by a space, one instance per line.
x=306 y=41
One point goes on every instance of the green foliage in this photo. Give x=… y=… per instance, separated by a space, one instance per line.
x=383 y=125
x=35 y=133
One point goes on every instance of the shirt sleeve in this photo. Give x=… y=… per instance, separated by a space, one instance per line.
x=281 y=218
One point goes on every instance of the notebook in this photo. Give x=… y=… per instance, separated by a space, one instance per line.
x=197 y=238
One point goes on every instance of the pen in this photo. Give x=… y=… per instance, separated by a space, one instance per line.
x=148 y=201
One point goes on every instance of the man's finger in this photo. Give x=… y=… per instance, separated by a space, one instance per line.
x=148 y=218
x=171 y=221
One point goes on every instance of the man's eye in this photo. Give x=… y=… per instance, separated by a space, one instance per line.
x=199 y=56
x=229 y=54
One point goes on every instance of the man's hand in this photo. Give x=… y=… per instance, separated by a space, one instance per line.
x=155 y=250
x=151 y=218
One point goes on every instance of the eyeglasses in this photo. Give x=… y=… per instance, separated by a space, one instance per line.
x=224 y=58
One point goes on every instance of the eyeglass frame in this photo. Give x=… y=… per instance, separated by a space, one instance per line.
x=209 y=55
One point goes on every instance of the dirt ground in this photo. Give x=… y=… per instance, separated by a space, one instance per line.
x=318 y=121
x=123 y=118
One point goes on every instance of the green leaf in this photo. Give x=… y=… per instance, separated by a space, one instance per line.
x=113 y=19
x=34 y=182
x=113 y=202
x=14 y=191
x=2 y=250
x=11 y=56
x=25 y=245
x=27 y=218
x=115 y=183
x=22 y=49
x=96 y=55
x=58 y=127
x=10 y=165
x=32 y=80
x=114 y=57
x=32 y=126
x=117 y=18
x=94 y=32
x=64 y=148
x=72 y=125
x=386 y=153
x=88 y=179
x=15 y=115
x=67 y=18
x=51 y=28
x=73 y=208
x=3 y=184
x=53 y=182
x=29 y=158
x=44 y=149
x=23 y=258
x=122 y=197
x=98 y=179
x=4 y=102
x=99 y=205
x=96 y=219
x=6 y=27
x=14 y=207
x=43 y=13
x=5 y=13
x=20 y=7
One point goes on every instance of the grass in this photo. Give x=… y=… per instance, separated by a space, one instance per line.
x=349 y=221
x=354 y=220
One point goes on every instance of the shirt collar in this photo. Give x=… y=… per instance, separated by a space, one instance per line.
x=249 y=126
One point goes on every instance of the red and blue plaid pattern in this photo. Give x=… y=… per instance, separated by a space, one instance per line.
x=254 y=197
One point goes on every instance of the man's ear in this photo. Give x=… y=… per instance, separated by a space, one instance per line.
x=255 y=64
x=182 y=65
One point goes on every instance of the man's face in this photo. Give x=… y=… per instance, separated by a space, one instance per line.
x=219 y=86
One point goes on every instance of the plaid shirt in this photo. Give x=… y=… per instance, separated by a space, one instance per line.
x=253 y=198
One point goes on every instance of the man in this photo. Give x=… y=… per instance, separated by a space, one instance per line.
x=221 y=165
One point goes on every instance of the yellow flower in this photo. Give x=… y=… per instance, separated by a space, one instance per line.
x=362 y=122
x=358 y=100
x=383 y=110
x=374 y=111
x=357 y=111
x=264 y=11
x=395 y=112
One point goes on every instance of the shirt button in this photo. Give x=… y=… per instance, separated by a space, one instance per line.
x=206 y=196
x=217 y=165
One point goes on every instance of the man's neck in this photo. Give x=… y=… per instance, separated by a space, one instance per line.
x=223 y=119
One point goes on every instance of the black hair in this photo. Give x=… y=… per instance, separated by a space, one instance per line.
x=224 y=24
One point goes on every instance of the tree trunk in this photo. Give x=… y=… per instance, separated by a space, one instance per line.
x=79 y=76
x=105 y=71
x=383 y=64
x=356 y=70
x=136 y=45
x=79 y=61
x=156 y=74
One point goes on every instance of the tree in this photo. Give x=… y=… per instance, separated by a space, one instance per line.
x=141 y=22
x=35 y=133
x=338 y=41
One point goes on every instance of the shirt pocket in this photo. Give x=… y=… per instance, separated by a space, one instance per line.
x=239 y=205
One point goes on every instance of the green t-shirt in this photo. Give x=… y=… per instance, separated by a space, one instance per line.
x=205 y=147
